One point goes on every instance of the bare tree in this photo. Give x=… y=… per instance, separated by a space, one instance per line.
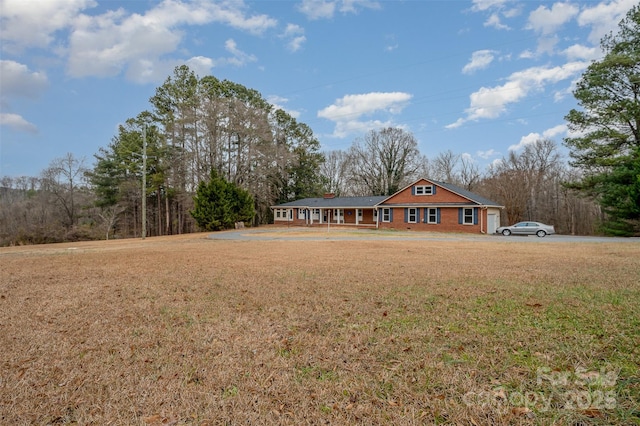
x=523 y=182
x=335 y=172
x=63 y=179
x=444 y=166
x=385 y=160
x=469 y=175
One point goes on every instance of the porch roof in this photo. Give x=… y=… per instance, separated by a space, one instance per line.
x=335 y=203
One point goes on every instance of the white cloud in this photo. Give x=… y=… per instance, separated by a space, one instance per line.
x=107 y=44
x=30 y=24
x=547 y=21
x=582 y=53
x=480 y=5
x=485 y=155
x=497 y=9
x=491 y=102
x=604 y=17
x=468 y=157
x=295 y=36
x=391 y=43
x=526 y=54
x=278 y=103
x=348 y=111
x=533 y=137
x=16 y=122
x=238 y=57
x=352 y=6
x=479 y=60
x=495 y=22
x=17 y=80
x=326 y=9
x=317 y=9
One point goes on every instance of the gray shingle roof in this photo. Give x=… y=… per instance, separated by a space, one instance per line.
x=368 y=202
x=467 y=194
x=337 y=202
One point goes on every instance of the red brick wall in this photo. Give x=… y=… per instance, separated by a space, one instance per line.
x=448 y=222
x=441 y=196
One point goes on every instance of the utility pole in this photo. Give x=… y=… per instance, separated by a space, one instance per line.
x=144 y=182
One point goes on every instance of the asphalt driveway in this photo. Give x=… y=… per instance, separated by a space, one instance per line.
x=337 y=234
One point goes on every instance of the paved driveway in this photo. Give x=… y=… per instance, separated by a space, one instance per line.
x=337 y=234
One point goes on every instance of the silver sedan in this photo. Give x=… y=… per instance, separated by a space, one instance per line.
x=527 y=228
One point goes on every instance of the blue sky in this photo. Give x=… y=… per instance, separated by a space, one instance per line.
x=479 y=78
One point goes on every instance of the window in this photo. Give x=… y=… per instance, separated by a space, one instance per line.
x=432 y=215
x=281 y=214
x=423 y=190
x=302 y=214
x=467 y=216
x=412 y=215
x=386 y=215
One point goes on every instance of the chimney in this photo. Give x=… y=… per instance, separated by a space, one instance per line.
x=329 y=195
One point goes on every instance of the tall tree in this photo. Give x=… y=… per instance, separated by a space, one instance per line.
x=65 y=179
x=334 y=173
x=385 y=160
x=607 y=148
x=298 y=149
x=521 y=182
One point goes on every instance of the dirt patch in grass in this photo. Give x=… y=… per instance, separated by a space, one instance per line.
x=189 y=330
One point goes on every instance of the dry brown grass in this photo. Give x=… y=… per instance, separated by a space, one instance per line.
x=188 y=330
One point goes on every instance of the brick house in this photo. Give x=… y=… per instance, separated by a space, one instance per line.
x=425 y=205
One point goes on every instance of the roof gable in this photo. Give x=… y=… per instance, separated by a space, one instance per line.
x=445 y=193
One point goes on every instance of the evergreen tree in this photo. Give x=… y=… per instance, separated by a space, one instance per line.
x=219 y=204
x=607 y=149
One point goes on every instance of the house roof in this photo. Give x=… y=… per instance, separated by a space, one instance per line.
x=466 y=194
x=337 y=202
x=373 y=201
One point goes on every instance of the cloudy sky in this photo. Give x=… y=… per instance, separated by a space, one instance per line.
x=478 y=78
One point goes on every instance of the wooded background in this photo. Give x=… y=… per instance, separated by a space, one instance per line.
x=197 y=128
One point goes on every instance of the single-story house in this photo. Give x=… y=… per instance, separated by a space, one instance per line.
x=426 y=205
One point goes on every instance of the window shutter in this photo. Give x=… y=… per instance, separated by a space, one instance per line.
x=433 y=189
x=475 y=215
x=437 y=214
x=460 y=215
x=417 y=215
x=426 y=215
x=390 y=215
x=413 y=190
x=406 y=215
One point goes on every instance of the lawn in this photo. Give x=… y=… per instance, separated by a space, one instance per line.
x=189 y=330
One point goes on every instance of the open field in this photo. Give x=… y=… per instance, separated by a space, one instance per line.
x=190 y=330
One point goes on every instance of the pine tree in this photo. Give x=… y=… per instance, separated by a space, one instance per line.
x=607 y=149
x=219 y=204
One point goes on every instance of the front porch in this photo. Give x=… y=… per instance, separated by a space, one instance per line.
x=306 y=216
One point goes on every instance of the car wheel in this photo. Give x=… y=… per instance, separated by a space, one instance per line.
x=541 y=233
x=506 y=232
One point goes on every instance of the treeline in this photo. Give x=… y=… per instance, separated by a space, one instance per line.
x=197 y=126
x=71 y=201
x=530 y=184
x=194 y=126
